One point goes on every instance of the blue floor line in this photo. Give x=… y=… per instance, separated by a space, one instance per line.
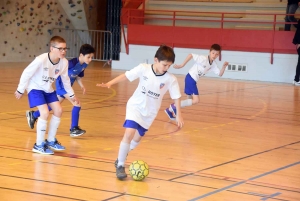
x=241 y=182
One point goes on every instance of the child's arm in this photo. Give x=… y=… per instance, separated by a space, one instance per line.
x=223 y=68
x=28 y=72
x=79 y=80
x=187 y=59
x=179 y=118
x=116 y=80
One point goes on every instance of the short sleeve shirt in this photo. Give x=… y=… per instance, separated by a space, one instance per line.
x=144 y=104
x=202 y=67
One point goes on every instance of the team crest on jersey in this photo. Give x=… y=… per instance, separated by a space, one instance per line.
x=56 y=71
x=161 y=85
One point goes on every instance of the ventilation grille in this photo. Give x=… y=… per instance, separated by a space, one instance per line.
x=237 y=67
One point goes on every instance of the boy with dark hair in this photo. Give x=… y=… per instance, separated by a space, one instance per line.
x=202 y=65
x=144 y=104
x=76 y=70
x=37 y=79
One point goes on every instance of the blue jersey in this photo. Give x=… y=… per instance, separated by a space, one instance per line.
x=75 y=70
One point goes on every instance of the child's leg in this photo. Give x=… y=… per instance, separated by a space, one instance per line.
x=135 y=141
x=191 y=89
x=55 y=120
x=42 y=124
x=36 y=114
x=125 y=145
x=75 y=130
x=32 y=116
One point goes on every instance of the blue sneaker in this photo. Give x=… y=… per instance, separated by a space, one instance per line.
x=42 y=149
x=55 y=145
x=173 y=109
x=170 y=114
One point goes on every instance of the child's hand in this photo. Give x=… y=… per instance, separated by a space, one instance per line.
x=179 y=120
x=83 y=89
x=18 y=95
x=75 y=100
x=103 y=85
x=225 y=64
x=178 y=66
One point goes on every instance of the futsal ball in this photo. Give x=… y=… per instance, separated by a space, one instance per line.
x=138 y=170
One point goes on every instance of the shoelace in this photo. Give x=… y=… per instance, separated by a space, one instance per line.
x=45 y=147
x=56 y=142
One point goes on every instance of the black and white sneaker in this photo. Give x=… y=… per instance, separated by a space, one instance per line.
x=30 y=119
x=76 y=131
x=296 y=83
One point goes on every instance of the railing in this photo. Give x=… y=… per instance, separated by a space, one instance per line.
x=271 y=41
x=100 y=40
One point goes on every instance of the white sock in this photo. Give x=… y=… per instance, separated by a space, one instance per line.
x=41 y=127
x=133 y=144
x=123 y=151
x=54 y=123
x=187 y=102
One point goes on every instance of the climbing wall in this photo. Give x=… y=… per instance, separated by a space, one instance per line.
x=26 y=26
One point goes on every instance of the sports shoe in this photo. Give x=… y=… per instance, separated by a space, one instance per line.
x=116 y=163
x=76 y=131
x=30 y=119
x=42 y=149
x=170 y=114
x=120 y=172
x=173 y=109
x=55 y=145
x=296 y=83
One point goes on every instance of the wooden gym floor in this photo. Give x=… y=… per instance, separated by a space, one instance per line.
x=240 y=143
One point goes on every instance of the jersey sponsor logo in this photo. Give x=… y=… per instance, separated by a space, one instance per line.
x=143 y=90
x=47 y=79
x=56 y=71
x=161 y=85
x=200 y=73
x=153 y=94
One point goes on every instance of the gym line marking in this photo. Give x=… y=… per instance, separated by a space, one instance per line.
x=244 y=181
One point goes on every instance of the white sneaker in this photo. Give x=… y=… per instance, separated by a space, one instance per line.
x=296 y=83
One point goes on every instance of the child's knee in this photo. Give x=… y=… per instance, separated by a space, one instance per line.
x=44 y=114
x=58 y=111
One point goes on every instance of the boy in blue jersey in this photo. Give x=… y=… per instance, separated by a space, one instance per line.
x=76 y=73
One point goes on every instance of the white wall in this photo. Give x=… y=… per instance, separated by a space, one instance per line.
x=259 y=65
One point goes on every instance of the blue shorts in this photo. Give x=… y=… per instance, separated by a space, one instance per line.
x=190 y=87
x=39 y=97
x=133 y=124
x=60 y=90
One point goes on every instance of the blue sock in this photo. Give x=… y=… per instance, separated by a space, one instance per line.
x=75 y=116
x=36 y=114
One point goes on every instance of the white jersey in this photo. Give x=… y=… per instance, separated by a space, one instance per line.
x=144 y=104
x=41 y=73
x=202 y=66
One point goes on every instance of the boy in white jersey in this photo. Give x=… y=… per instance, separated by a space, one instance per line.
x=76 y=71
x=202 y=65
x=144 y=104
x=37 y=79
